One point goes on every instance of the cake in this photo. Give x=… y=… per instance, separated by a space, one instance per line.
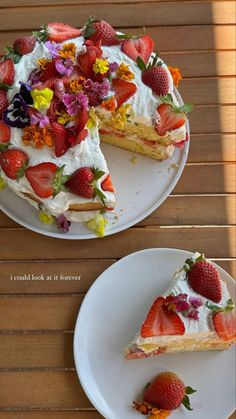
x=195 y=313
x=63 y=90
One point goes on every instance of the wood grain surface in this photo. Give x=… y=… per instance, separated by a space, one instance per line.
x=37 y=318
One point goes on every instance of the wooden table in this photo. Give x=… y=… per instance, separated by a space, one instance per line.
x=37 y=373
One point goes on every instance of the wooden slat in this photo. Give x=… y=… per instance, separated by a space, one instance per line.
x=42 y=390
x=167 y=13
x=212 y=148
x=168 y=38
x=209 y=91
x=212 y=119
x=18 y=3
x=25 y=244
x=81 y=414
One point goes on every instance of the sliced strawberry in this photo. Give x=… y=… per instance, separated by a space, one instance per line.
x=150 y=143
x=160 y=321
x=13 y=162
x=5 y=135
x=3 y=101
x=101 y=31
x=107 y=184
x=169 y=119
x=60 y=139
x=82 y=119
x=81 y=136
x=49 y=71
x=86 y=61
x=59 y=32
x=83 y=182
x=138 y=47
x=7 y=71
x=46 y=179
x=24 y=45
x=225 y=324
x=54 y=109
x=123 y=90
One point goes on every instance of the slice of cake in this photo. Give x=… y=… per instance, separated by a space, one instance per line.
x=195 y=313
x=63 y=89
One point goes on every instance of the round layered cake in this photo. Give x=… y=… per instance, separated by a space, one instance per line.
x=62 y=91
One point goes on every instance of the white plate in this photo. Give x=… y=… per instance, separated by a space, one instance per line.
x=141 y=188
x=109 y=318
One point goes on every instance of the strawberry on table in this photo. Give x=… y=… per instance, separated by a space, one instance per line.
x=46 y=179
x=58 y=32
x=204 y=278
x=3 y=101
x=24 y=45
x=5 y=135
x=7 y=71
x=224 y=320
x=137 y=46
x=107 y=184
x=160 y=321
x=123 y=90
x=13 y=162
x=60 y=135
x=83 y=182
x=100 y=31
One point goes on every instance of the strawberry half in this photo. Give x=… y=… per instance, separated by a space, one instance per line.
x=46 y=179
x=224 y=320
x=60 y=139
x=135 y=47
x=57 y=31
x=107 y=185
x=169 y=119
x=100 y=31
x=83 y=182
x=123 y=90
x=161 y=322
x=3 y=101
x=5 y=135
x=13 y=162
x=204 y=278
x=81 y=119
x=24 y=45
x=7 y=71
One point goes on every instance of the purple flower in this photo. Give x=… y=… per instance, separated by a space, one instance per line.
x=34 y=77
x=180 y=302
x=25 y=92
x=113 y=67
x=63 y=223
x=64 y=67
x=75 y=102
x=196 y=301
x=104 y=88
x=53 y=48
x=16 y=114
x=95 y=91
x=39 y=119
x=193 y=314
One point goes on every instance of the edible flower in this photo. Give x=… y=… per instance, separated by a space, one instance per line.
x=109 y=104
x=75 y=102
x=187 y=306
x=146 y=408
x=64 y=118
x=64 y=67
x=53 y=48
x=16 y=114
x=159 y=414
x=3 y=183
x=98 y=224
x=176 y=75
x=68 y=51
x=39 y=119
x=120 y=117
x=37 y=137
x=45 y=217
x=196 y=301
x=41 y=98
x=76 y=85
x=123 y=72
x=25 y=90
x=59 y=89
x=95 y=91
x=93 y=119
x=42 y=63
x=100 y=66
x=34 y=77
x=63 y=223
x=113 y=67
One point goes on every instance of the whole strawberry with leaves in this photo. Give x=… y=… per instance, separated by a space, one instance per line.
x=100 y=31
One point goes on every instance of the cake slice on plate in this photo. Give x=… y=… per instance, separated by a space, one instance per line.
x=195 y=313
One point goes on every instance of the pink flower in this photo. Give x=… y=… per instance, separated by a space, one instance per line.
x=193 y=314
x=39 y=119
x=75 y=102
x=64 y=67
x=95 y=91
x=63 y=223
x=59 y=89
x=196 y=301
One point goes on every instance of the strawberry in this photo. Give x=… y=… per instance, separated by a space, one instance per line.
x=107 y=185
x=7 y=71
x=5 y=135
x=24 y=45
x=204 y=278
x=224 y=320
x=161 y=322
x=99 y=30
x=60 y=139
x=141 y=46
x=123 y=90
x=83 y=182
x=46 y=179
x=167 y=391
x=86 y=61
x=82 y=119
x=49 y=71
x=157 y=79
x=13 y=162
x=3 y=101
x=169 y=119
x=53 y=109
x=81 y=136
x=57 y=31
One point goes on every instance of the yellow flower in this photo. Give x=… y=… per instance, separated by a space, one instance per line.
x=176 y=75
x=42 y=63
x=42 y=98
x=93 y=119
x=123 y=72
x=76 y=85
x=98 y=224
x=100 y=66
x=68 y=51
x=46 y=218
x=64 y=118
x=3 y=183
x=159 y=414
x=120 y=117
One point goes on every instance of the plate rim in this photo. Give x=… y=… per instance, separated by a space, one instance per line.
x=128 y=224
x=91 y=290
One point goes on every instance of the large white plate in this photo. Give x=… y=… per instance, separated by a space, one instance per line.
x=141 y=188
x=109 y=318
